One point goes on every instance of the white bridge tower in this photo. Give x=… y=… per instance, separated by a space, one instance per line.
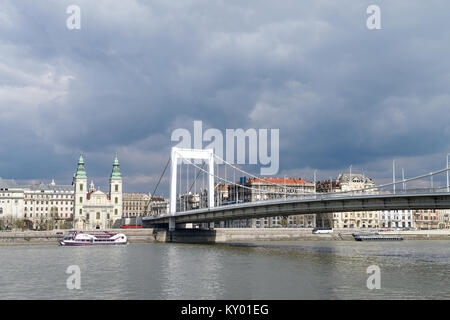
x=180 y=154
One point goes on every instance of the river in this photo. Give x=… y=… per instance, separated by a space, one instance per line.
x=253 y=270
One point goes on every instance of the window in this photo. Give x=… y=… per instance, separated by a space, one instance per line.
x=81 y=199
x=116 y=200
x=116 y=212
x=116 y=188
x=81 y=187
x=98 y=215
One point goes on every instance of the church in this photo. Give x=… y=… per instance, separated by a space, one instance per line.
x=95 y=209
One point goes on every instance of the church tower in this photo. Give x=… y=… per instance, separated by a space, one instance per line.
x=115 y=190
x=80 y=185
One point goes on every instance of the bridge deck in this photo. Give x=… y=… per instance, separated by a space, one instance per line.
x=319 y=204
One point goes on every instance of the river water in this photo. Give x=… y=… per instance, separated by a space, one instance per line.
x=254 y=270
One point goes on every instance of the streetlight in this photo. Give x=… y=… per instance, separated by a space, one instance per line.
x=315 y=186
x=403 y=178
x=448 y=187
x=431 y=181
x=350 y=178
x=393 y=175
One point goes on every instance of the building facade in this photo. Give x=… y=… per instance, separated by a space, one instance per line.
x=39 y=206
x=95 y=209
x=426 y=219
x=396 y=219
x=444 y=219
x=188 y=201
x=135 y=205
x=159 y=205
x=268 y=189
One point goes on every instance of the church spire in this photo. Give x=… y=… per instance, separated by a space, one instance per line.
x=92 y=186
x=115 y=174
x=81 y=172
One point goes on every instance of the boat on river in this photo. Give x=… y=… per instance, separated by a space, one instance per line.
x=376 y=237
x=80 y=238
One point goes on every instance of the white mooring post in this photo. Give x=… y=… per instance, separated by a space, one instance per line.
x=179 y=154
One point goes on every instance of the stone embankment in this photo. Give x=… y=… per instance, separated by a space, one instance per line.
x=29 y=237
x=215 y=236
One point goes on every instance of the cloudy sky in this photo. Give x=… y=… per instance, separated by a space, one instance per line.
x=340 y=93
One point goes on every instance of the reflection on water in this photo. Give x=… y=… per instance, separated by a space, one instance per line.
x=254 y=270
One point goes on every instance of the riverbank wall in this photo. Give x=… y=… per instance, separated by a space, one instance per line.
x=252 y=234
x=221 y=235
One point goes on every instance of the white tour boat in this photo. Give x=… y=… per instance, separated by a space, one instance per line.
x=93 y=238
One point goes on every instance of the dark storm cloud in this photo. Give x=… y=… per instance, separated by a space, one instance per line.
x=339 y=93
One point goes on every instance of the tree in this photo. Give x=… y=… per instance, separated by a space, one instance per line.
x=28 y=224
x=43 y=224
x=19 y=224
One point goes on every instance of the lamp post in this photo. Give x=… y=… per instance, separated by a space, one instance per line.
x=393 y=175
x=315 y=186
x=350 y=184
x=448 y=187
x=403 y=178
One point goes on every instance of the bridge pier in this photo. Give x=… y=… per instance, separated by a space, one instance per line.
x=172 y=225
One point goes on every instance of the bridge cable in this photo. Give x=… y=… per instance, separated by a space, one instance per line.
x=198 y=174
x=348 y=191
x=241 y=186
x=247 y=173
x=156 y=188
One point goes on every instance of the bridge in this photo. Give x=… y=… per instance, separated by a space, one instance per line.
x=290 y=202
